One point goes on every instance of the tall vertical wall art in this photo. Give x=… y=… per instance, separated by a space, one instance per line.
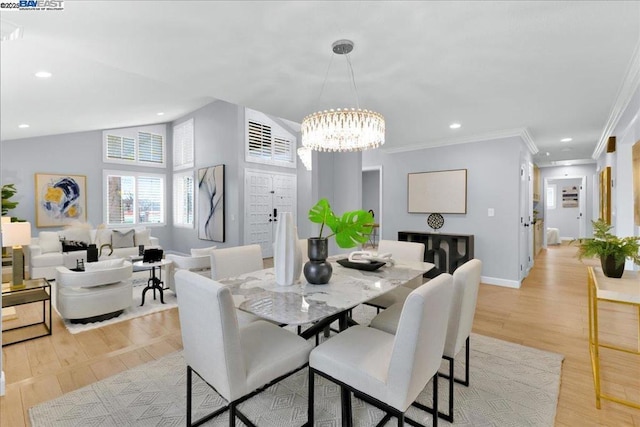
x=605 y=194
x=60 y=199
x=211 y=203
x=636 y=182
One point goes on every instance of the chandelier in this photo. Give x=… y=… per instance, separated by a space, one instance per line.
x=348 y=129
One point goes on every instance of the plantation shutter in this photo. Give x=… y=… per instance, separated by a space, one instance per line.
x=183 y=206
x=121 y=148
x=150 y=200
x=282 y=149
x=259 y=140
x=183 y=145
x=150 y=148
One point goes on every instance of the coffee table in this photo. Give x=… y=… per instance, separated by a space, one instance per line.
x=155 y=281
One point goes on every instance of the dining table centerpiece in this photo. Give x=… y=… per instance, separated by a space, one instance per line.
x=611 y=249
x=350 y=229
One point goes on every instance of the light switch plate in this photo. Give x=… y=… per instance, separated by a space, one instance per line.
x=491 y=212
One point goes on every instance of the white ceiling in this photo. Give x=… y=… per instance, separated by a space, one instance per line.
x=551 y=69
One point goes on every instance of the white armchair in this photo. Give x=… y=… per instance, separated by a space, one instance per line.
x=198 y=264
x=100 y=292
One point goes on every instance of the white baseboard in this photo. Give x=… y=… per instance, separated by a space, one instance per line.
x=2 y=388
x=500 y=282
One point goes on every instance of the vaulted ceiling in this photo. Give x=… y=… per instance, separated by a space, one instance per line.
x=547 y=70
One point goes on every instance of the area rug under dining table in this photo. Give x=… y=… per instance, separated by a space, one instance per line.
x=511 y=385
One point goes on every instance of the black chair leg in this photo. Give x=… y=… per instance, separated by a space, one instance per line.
x=232 y=415
x=435 y=400
x=189 y=380
x=310 y=399
x=401 y=420
x=347 y=419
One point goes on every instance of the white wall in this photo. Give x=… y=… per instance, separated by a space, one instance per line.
x=493 y=169
x=371 y=191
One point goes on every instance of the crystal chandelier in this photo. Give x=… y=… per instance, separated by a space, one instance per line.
x=343 y=129
x=305 y=157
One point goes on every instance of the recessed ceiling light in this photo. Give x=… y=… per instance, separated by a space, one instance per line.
x=160 y=113
x=566 y=140
x=548 y=153
x=23 y=126
x=43 y=74
x=455 y=125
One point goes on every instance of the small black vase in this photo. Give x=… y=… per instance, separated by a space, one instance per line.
x=317 y=270
x=609 y=267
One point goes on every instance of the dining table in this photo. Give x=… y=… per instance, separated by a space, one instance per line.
x=317 y=306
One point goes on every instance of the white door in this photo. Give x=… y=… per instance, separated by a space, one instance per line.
x=524 y=221
x=582 y=203
x=265 y=195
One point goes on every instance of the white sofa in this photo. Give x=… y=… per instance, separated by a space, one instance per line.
x=100 y=292
x=45 y=253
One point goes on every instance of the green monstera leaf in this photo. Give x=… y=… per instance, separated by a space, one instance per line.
x=351 y=229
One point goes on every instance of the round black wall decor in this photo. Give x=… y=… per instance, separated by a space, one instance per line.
x=435 y=221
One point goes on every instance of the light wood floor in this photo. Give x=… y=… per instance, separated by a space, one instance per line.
x=549 y=312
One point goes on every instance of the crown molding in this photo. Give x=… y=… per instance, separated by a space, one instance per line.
x=522 y=133
x=628 y=87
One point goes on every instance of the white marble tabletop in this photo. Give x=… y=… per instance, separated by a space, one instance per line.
x=259 y=294
x=149 y=265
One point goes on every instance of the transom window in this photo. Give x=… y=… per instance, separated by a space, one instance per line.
x=142 y=146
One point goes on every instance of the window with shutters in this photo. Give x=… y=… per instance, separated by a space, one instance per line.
x=183 y=195
x=142 y=146
x=268 y=144
x=183 y=145
x=134 y=198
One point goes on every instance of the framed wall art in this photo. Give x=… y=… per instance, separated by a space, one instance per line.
x=570 y=197
x=60 y=199
x=211 y=222
x=636 y=182
x=437 y=192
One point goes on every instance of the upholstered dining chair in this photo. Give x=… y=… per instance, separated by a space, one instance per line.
x=236 y=362
x=234 y=261
x=466 y=281
x=384 y=370
x=405 y=251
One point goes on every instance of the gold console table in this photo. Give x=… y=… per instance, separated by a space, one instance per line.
x=625 y=290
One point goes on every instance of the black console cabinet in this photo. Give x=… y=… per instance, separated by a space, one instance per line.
x=446 y=251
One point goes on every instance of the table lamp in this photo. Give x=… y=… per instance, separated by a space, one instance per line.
x=16 y=234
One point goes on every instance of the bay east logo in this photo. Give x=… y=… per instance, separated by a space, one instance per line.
x=41 y=4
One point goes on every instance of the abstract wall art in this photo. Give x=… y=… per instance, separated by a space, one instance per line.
x=570 y=197
x=60 y=199
x=211 y=203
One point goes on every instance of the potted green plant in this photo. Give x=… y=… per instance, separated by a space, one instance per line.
x=350 y=230
x=611 y=249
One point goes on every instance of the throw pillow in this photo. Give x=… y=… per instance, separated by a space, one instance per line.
x=77 y=234
x=103 y=236
x=202 y=251
x=142 y=237
x=121 y=239
x=104 y=265
x=49 y=241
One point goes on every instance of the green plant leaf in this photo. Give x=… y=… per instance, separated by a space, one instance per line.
x=604 y=244
x=321 y=213
x=353 y=228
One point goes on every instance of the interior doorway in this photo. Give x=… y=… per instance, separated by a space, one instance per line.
x=372 y=200
x=565 y=216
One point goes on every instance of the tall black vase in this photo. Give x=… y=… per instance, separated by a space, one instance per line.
x=609 y=267
x=317 y=270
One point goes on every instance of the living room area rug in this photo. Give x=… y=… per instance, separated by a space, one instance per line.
x=139 y=279
x=510 y=385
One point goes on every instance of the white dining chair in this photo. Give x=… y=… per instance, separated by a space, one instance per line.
x=389 y=371
x=466 y=281
x=234 y=261
x=236 y=362
x=403 y=251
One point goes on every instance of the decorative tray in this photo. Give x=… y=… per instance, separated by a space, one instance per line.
x=367 y=266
